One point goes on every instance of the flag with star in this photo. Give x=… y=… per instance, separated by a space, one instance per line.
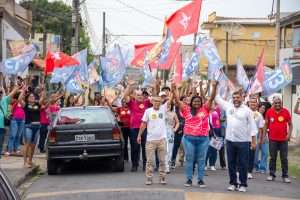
x=185 y=21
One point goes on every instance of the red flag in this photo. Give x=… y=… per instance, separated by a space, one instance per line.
x=257 y=85
x=58 y=60
x=139 y=53
x=177 y=78
x=185 y=20
x=260 y=73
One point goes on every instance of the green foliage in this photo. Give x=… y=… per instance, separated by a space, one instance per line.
x=55 y=17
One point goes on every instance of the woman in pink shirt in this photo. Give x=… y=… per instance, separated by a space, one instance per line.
x=17 y=123
x=196 y=128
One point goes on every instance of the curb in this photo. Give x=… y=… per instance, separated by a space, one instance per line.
x=27 y=176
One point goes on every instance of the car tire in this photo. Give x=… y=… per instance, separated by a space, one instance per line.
x=52 y=167
x=119 y=164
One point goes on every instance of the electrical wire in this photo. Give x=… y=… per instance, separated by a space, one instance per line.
x=139 y=11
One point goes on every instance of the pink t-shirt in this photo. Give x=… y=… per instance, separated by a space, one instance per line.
x=215 y=118
x=18 y=112
x=196 y=125
x=137 y=110
x=44 y=117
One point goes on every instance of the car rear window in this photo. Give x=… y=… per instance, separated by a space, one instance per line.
x=84 y=116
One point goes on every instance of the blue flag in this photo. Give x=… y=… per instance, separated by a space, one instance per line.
x=148 y=77
x=166 y=45
x=279 y=79
x=208 y=48
x=64 y=74
x=17 y=65
x=190 y=67
x=241 y=76
x=113 y=67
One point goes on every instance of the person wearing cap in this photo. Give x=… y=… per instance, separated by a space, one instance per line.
x=296 y=108
x=164 y=97
x=280 y=126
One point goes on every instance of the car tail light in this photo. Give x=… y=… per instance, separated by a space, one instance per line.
x=116 y=134
x=52 y=136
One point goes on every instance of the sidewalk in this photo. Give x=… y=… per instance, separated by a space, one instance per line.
x=16 y=172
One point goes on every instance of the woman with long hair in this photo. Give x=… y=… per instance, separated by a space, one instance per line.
x=196 y=128
x=32 y=127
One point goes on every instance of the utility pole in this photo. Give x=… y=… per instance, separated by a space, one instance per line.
x=278 y=34
x=75 y=26
x=103 y=35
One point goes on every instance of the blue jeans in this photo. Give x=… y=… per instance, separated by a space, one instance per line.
x=238 y=159
x=195 y=149
x=1 y=139
x=261 y=163
x=212 y=153
x=32 y=134
x=15 y=132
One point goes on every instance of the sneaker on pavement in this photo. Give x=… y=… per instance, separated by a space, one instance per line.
x=270 y=178
x=163 y=181
x=286 y=180
x=212 y=168
x=7 y=154
x=173 y=165
x=201 y=184
x=242 y=189
x=148 y=181
x=188 y=183
x=250 y=176
x=232 y=188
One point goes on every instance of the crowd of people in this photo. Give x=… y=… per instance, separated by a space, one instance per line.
x=168 y=126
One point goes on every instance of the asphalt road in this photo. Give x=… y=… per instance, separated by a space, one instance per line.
x=93 y=181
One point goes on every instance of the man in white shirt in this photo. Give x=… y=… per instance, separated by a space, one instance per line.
x=154 y=120
x=240 y=131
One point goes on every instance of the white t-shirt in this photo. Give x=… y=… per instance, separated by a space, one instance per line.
x=259 y=119
x=156 y=123
x=241 y=125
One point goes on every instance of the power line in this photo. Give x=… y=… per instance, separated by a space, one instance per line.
x=139 y=11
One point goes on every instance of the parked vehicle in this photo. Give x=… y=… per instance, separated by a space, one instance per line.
x=85 y=133
x=7 y=190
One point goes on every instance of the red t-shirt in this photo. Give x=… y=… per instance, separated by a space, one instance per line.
x=278 y=124
x=196 y=125
x=137 y=110
x=124 y=116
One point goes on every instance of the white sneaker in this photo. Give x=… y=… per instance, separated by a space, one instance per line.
x=231 y=188
x=286 y=180
x=212 y=168
x=250 y=176
x=270 y=178
x=242 y=189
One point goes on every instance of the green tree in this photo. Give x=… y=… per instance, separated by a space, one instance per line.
x=55 y=17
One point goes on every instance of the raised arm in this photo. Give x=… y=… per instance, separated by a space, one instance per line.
x=213 y=94
x=176 y=96
x=296 y=108
x=202 y=91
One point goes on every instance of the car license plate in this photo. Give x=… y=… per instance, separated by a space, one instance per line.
x=85 y=138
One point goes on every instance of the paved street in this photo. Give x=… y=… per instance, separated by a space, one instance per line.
x=86 y=182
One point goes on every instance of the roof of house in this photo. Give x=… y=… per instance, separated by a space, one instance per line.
x=290 y=19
